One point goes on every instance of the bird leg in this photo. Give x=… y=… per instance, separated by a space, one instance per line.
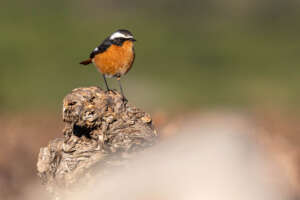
x=107 y=88
x=121 y=89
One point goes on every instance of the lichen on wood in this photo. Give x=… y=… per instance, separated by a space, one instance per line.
x=99 y=128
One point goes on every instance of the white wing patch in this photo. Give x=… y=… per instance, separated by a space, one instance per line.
x=119 y=35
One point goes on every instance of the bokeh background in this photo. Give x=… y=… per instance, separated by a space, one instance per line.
x=191 y=57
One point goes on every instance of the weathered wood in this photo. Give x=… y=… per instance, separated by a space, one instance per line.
x=100 y=130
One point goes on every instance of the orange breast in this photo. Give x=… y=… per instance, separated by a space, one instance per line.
x=116 y=60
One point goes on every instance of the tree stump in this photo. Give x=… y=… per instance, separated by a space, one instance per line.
x=101 y=130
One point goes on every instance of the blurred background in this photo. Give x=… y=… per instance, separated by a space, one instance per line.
x=236 y=56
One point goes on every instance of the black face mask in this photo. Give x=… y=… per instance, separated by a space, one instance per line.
x=118 y=41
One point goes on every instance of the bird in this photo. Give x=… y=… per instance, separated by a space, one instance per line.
x=114 y=57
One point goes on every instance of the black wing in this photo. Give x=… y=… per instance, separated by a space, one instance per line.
x=101 y=48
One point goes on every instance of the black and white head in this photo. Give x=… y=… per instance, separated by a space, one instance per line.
x=117 y=38
x=120 y=36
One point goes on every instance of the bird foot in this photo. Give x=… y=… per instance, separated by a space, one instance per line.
x=124 y=100
x=110 y=91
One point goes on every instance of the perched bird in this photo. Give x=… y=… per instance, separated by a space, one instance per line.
x=114 y=56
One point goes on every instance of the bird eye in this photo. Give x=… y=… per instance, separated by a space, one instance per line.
x=118 y=41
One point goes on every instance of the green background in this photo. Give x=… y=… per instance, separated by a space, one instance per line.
x=189 y=54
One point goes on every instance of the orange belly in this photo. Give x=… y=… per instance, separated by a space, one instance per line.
x=116 y=60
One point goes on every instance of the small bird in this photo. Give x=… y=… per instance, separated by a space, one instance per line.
x=114 y=56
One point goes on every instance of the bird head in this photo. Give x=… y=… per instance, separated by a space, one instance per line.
x=120 y=36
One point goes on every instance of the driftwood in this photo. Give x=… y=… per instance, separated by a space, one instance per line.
x=101 y=130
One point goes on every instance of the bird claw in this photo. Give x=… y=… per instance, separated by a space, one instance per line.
x=124 y=100
x=112 y=91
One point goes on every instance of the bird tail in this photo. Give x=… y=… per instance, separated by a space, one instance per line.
x=86 y=62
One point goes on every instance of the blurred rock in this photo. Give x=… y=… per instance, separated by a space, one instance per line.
x=100 y=130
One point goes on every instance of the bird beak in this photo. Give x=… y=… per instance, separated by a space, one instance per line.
x=133 y=40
